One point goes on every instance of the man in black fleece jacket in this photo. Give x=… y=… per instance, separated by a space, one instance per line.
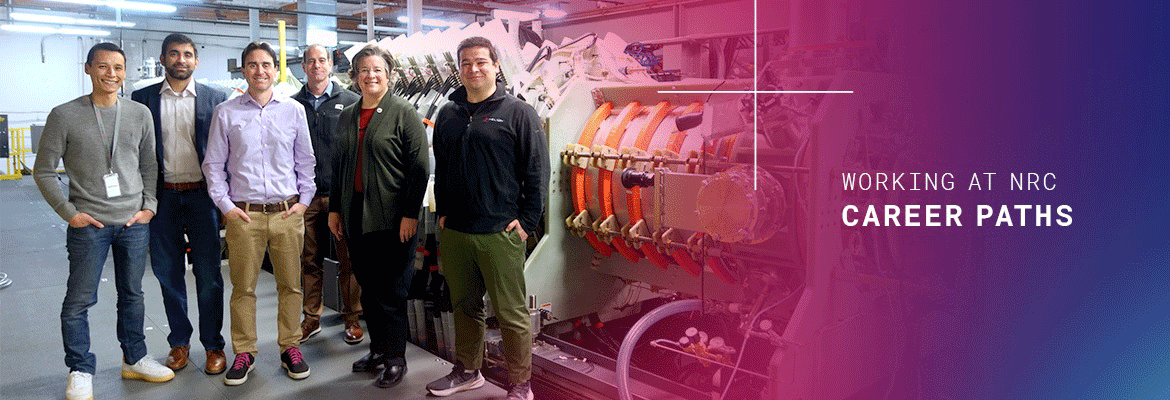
x=491 y=182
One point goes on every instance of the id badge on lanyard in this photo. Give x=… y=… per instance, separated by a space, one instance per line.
x=113 y=188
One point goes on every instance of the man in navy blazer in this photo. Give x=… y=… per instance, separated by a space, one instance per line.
x=182 y=112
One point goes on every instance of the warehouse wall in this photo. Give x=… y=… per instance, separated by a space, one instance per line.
x=32 y=87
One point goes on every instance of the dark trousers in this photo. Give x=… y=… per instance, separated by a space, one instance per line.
x=312 y=259
x=384 y=267
x=193 y=213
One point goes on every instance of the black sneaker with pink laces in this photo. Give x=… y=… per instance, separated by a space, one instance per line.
x=294 y=363
x=240 y=369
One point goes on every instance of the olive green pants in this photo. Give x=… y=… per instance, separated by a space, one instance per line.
x=493 y=263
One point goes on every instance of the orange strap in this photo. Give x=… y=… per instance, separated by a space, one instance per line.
x=654 y=256
x=676 y=140
x=684 y=260
x=656 y=116
x=674 y=144
x=578 y=173
x=722 y=272
x=729 y=146
x=581 y=180
x=605 y=177
x=634 y=198
x=605 y=186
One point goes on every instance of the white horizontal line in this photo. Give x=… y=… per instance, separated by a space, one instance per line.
x=757 y=91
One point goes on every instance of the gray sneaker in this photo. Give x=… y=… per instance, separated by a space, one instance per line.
x=520 y=391
x=457 y=381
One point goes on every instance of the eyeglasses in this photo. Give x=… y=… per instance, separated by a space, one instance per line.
x=368 y=71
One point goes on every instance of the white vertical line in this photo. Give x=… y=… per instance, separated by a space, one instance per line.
x=756 y=94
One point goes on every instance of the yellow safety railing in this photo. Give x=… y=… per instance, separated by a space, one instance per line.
x=16 y=151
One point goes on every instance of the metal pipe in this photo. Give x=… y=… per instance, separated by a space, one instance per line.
x=414 y=16
x=369 y=20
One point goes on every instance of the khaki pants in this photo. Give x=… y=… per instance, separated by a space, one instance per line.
x=491 y=263
x=283 y=238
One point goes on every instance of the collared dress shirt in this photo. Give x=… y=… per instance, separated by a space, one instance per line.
x=180 y=162
x=259 y=154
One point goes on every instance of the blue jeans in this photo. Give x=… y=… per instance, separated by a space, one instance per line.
x=88 y=248
x=192 y=211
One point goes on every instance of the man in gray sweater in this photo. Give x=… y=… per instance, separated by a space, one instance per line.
x=107 y=144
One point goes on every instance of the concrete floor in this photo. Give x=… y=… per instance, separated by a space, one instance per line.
x=32 y=253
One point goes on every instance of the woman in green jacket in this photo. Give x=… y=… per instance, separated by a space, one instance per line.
x=379 y=179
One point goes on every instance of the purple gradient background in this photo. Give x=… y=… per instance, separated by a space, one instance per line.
x=1073 y=88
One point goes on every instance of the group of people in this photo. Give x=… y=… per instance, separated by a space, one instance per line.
x=285 y=176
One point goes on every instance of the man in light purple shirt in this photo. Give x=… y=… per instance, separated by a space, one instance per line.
x=259 y=170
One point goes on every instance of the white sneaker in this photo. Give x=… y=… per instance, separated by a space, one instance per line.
x=147 y=369
x=80 y=386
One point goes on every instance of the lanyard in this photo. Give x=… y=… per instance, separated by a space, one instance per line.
x=102 y=129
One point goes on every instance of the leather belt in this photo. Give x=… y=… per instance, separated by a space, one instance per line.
x=270 y=207
x=185 y=185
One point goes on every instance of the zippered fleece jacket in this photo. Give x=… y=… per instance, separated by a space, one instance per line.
x=491 y=166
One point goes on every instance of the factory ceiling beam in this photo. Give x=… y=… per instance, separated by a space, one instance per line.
x=591 y=15
x=441 y=5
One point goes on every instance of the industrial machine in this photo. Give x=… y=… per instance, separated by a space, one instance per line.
x=692 y=246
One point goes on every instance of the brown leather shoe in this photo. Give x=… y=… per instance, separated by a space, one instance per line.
x=216 y=362
x=177 y=359
x=353 y=332
x=310 y=329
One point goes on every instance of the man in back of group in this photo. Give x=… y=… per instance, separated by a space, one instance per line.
x=259 y=169
x=182 y=113
x=107 y=144
x=323 y=101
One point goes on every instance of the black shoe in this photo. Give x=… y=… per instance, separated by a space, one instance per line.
x=240 y=369
x=369 y=362
x=390 y=376
x=294 y=363
x=457 y=381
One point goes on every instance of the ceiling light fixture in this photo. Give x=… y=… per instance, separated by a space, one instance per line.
x=51 y=31
x=125 y=5
x=553 y=13
x=57 y=19
x=520 y=12
x=514 y=15
x=436 y=23
x=83 y=32
x=102 y=22
x=383 y=28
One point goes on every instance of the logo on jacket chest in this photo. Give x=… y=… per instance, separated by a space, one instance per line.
x=493 y=119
